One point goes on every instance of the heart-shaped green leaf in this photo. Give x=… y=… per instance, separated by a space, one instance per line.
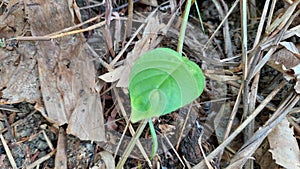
x=162 y=81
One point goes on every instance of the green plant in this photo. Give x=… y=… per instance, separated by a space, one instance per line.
x=162 y=81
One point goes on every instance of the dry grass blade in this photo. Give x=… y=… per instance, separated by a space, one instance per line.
x=131 y=144
x=61 y=154
x=280 y=22
x=220 y=25
x=252 y=144
x=242 y=126
x=133 y=133
x=222 y=12
x=202 y=151
x=8 y=153
x=261 y=24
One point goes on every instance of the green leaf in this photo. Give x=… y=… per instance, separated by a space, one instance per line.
x=162 y=81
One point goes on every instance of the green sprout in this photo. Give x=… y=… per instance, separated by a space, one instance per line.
x=161 y=81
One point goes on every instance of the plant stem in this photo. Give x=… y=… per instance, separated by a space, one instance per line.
x=154 y=139
x=183 y=26
x=131 y=144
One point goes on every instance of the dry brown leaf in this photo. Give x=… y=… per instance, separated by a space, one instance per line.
x=113 y=75
x=107 y=158
x=147 y=42
x=284 y=146
x=285 y=59
x=296 y=72
x=291 y=47
x=87 y=121
x=18 y=75
x=66 y=72
x=18 y=72
x=62 y=67
x=263 y=157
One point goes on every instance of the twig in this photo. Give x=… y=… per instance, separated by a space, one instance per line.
x=172 y=147
x=221 y=24
x=261 y=24
x=41 y=160
x=202 y=152
x=232 y=116
x=9 y=155
x=243 y=11
x=48 y=140
x=130 y=17
x=183 y=126
x=18 y=122
x=9 y=108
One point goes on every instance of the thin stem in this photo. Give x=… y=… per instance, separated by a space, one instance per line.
x=183 y=26
x=154 y=139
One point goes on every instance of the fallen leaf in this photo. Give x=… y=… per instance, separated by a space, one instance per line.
x=291 y=47
x=66 y=71
x=113 y=75
x=284 y=58
x=263 y=157
x=287 y=61
x=107 y=158
x=296 y=72
x=87 y=121
x=147 y=42
x=284 y=146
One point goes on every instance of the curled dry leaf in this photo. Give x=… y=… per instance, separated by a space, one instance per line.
x=292 y=48
x=296 y=72
x=107 y=158
x=285 y=150
x=285 y=58
x=147 y=42
x=287 y=61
